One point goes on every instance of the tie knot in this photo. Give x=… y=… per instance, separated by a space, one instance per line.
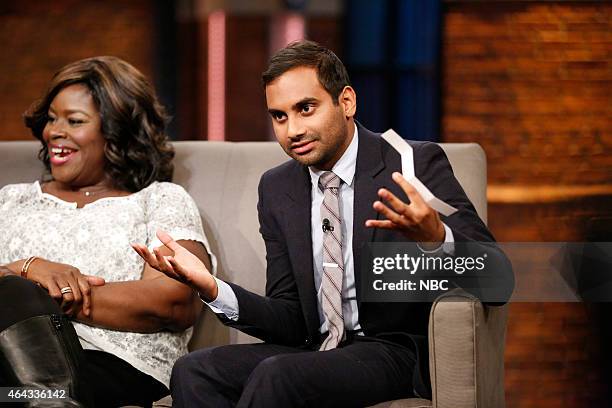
x=329 y=179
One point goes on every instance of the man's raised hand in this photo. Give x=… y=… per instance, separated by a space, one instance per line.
x=182 y=265
x=416 y=220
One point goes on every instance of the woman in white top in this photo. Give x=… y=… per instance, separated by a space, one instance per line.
x=79 y=309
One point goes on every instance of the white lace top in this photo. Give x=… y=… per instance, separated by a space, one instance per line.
x=96 y=240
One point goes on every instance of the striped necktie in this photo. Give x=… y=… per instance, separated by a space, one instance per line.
x=333 y=263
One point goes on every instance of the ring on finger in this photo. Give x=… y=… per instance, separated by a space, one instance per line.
x=65 y=290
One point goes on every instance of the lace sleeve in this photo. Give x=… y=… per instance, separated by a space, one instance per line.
x=10 y=194
x=172 y=209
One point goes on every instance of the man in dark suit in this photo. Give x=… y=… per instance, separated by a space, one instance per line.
x=322 y=346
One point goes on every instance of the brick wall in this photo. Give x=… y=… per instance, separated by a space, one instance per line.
x=39 y=37
x=532 y=83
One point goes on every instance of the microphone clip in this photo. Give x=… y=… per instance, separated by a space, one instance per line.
x=326 y=226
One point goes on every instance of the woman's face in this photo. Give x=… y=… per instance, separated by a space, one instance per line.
x=74 y=138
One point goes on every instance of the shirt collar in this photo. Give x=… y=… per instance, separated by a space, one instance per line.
x=344 y=168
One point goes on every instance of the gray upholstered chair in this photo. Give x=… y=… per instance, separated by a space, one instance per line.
x=466 y=338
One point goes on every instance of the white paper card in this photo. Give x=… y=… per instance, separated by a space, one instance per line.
x=405 y=151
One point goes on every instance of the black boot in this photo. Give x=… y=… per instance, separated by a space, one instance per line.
x=43 y=352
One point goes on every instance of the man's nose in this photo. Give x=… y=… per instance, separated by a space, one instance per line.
x=295 y=129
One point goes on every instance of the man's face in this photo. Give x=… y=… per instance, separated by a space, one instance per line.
x=307 y=124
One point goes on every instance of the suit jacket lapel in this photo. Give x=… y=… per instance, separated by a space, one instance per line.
x=369 y=165
x=299 y=242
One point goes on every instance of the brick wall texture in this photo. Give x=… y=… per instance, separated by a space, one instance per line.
x=39 y=37
x=532 y=83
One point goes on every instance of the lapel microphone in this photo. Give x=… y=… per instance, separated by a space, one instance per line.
x=326 y=227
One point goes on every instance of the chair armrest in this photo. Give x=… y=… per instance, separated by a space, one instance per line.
x=466 y=352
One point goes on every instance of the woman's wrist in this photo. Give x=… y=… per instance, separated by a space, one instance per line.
x=25 y=267
x=14 y=268
x=17 y=267
x=5 y=270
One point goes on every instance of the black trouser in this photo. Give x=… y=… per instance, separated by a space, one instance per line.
x=362 y=372
x=112 y=381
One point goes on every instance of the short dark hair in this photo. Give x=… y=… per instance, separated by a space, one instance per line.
x=331 y=72
x=133 y=121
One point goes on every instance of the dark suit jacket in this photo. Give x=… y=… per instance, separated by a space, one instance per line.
x=288 y=313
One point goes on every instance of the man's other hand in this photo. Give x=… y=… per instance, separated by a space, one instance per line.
x=416 y=220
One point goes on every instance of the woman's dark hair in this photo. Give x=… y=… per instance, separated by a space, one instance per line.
x=133 y=122
x=330 y=70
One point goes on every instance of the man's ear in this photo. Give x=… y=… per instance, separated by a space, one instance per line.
x=348 y=101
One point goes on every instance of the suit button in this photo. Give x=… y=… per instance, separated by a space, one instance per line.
x=307 y=341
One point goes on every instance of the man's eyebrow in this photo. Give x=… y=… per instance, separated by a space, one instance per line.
x=306 y=101
x=275 y=111
x=296 y=106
